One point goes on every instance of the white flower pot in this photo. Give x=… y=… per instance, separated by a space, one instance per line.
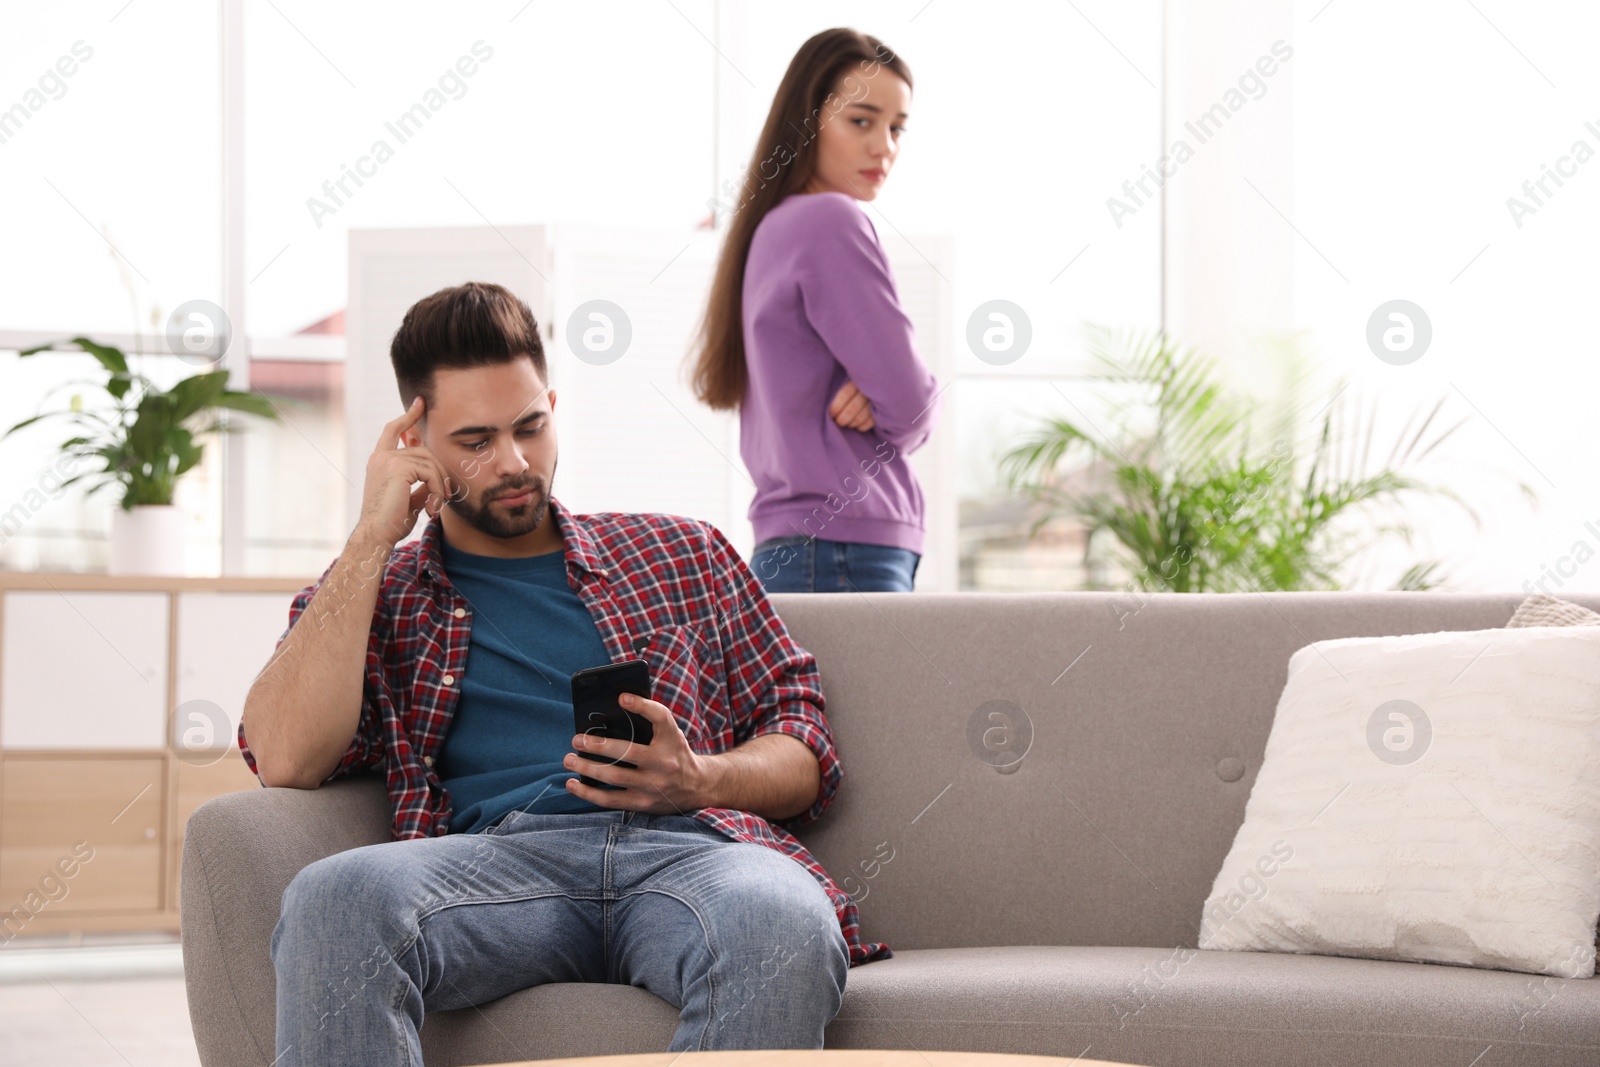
x=150 y=539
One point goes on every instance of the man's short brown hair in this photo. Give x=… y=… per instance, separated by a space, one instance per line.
x=478 y=324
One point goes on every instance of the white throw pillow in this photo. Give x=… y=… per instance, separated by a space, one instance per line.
x=1541 y=609
x=1430 y=797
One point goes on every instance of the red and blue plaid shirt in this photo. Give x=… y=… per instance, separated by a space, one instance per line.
x=670 y=590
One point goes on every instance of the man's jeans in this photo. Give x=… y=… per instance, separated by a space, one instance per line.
x=738 y=936
x=814 y=565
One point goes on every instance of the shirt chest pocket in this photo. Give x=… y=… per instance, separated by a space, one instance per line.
x=687 y=675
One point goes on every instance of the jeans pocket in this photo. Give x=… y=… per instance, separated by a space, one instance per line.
x=503 y=824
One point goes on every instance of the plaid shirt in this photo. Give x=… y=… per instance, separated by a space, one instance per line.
x=670 y=590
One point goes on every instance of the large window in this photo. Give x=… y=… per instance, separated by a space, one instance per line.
x=111 y=174
x=1463 y=177
x=110 y=170
x=629 y=114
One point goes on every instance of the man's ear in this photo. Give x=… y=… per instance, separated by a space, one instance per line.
x=550 y=394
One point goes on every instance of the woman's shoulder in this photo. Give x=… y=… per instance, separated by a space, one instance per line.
x=818 y=221
x=818 y=209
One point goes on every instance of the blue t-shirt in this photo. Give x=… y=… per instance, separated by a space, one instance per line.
x=513 y=721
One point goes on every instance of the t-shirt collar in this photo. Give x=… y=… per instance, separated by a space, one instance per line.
x=581 y=549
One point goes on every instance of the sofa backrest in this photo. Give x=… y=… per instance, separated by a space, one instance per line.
x=1148 y=713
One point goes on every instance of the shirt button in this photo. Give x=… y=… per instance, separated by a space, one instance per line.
x=449 y=679
x=461 y=613
x=428 y=760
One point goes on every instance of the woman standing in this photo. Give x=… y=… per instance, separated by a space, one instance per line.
x=804 y=334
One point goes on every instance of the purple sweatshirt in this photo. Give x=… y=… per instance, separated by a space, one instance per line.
x=820 y=308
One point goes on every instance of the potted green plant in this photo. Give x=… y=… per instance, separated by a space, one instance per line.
x=146 y=445
x=1192 y=503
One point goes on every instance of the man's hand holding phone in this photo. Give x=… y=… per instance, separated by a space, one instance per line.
x=667 y=777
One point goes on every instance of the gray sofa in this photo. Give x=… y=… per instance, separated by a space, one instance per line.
x=1047 y=904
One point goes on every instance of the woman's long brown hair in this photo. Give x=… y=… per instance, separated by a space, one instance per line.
x=778 y=168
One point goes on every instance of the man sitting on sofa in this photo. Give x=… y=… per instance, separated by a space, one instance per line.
x=446 y=664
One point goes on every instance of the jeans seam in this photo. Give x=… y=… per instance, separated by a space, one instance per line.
x=396 y=1012
x=711 y=950
x=608 y=899
x=511 y=898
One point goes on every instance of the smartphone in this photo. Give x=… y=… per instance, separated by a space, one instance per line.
x=595 y=709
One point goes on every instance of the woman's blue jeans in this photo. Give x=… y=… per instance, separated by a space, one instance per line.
x=738 y=936
x=812 y=565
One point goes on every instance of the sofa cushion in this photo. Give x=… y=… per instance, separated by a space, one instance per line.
x=1166 y=1007
x=1426 y=797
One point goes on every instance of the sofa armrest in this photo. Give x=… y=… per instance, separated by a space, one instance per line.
x=240 y=852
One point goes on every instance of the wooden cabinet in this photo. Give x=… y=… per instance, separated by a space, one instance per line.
x=120 y=700
x=104 y=812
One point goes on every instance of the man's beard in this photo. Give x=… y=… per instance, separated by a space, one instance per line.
x=497 y=520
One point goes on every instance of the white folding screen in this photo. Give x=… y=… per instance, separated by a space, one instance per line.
x=632 y=435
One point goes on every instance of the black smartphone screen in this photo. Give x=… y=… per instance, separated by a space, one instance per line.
x=595 y=709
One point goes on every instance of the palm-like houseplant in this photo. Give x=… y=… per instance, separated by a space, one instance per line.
x=1193 y=500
